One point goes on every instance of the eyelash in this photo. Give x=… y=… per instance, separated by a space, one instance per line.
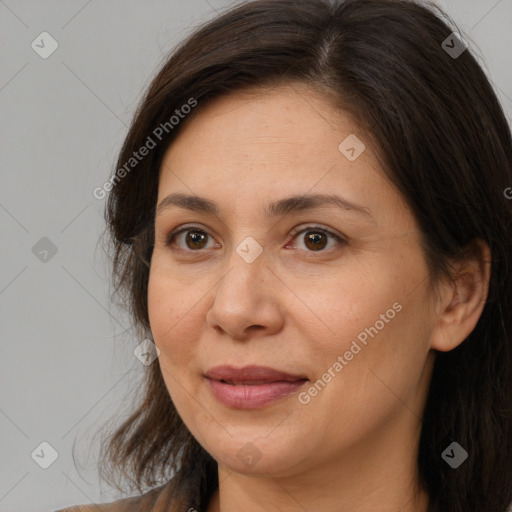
x=183 y=229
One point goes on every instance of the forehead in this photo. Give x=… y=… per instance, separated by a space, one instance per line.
x=257 y=144
x=267 y=115
x=279 y=129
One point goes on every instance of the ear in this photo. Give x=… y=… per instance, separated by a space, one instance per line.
x=463 y=298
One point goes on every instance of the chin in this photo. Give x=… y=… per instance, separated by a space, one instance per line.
x=259 y=454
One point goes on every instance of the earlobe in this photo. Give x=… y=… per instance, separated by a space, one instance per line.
x=464 y=298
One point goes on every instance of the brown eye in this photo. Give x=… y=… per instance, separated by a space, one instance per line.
x=315 y=239
x=195 y=239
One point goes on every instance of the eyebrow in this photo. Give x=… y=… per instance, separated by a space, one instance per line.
x=278 y=208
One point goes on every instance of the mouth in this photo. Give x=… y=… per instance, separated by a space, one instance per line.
x=250 y=375
x=251 y=382
x=252 y=387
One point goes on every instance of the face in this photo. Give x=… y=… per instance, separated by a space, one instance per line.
x=333 y=294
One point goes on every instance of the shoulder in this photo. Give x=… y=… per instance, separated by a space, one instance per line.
x=155 y=500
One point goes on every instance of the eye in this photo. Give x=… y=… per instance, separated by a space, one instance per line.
x=316 y=238
x=195 y=238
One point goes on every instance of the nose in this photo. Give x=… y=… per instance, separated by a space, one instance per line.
x=246 y=300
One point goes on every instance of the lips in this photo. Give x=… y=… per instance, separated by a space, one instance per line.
x=250 y=375
x=252 y=387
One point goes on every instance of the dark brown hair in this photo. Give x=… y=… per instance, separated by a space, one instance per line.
x=445 y=145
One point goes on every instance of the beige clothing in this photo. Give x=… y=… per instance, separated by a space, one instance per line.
x=155 y=500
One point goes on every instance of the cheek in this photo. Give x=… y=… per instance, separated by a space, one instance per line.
x=383 y=357
x=371 y=318
x=350 y=301
x=161 y=306
x=360 y=385
x=174 y=330
x=171 y=318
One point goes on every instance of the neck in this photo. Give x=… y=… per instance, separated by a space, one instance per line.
x=272 y=496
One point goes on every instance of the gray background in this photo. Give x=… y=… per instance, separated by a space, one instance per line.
x=67 y=358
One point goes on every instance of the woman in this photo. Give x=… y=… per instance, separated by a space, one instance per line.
x=309 y=219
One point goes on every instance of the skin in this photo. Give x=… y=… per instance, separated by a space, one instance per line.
x=353 y=446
